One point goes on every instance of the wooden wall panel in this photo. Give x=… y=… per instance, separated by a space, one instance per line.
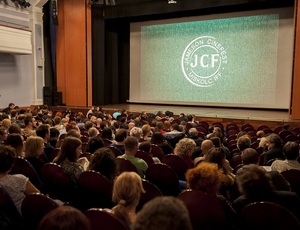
x=72 y=52
x=295 y=112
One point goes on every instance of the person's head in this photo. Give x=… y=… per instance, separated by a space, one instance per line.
x=43 y=131
x=204 y=177
x=103 y=161
x=131 y=145
x=14 y=128
x=157 y=138
x=121 y=135
x=185 y=147
x=167 y=125
x=217 y=156
x=163 y=213
x=94 y=143
x=70 y=150
x=145 y=146
x=34 y=146
x=136 y=132
x=291 y=150
x=16 y=140
x=93 y=131
x=243 y=142
x=6 y=123
x=260 y=134
x=127 y=190
x=57 y=120
x=54 y=132
x=254 y=181
x=249 y=156
x=3 y=133
x=7 y=158
x=193 y=132
x=64 y=217
x=107 y=133
x=175 y=126
x=206 y=145
x=216 y=141
x=273 y=141
x=146 y=129
x=73 y=133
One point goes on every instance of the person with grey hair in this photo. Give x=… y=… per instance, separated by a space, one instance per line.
x=243 y=142
x=291 y=153
x=164 y=213
x=274 y=145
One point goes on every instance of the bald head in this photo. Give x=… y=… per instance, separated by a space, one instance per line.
x=206 y=145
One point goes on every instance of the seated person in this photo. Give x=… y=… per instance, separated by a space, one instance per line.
x=103 y=161
x=163 y=213
x=126 y=195
x=291 y=153
x=131 y=147
x=17 y=185
x=255 y=185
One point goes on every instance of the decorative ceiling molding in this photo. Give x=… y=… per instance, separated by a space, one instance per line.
x=15 y=41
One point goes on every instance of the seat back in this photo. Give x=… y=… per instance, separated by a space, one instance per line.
x=205 y=210
x=293 y=177
x=34 y=207
x=177 y=164
x=107 y=142
x=125 y=165
x=145 y=156
x=117 y=152
x=7 y=207
x=157 y=151
x=151 y=191
x=164 y=177
x=57 y=183
x=268 y=215
x=101 y=219
x=22 y=166
x=94 y=190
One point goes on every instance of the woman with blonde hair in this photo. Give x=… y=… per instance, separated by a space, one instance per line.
x=6 y=123
x=34 y=152
x=147 y=132
x=126 y=195
x=184 y=149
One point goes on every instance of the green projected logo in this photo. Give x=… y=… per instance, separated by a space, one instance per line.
x=203 y=60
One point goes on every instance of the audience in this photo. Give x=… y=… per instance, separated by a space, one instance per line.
x=255 y=185
x=206 y=178
x=291 y=153
x=209 y=172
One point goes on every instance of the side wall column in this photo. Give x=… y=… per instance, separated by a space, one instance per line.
x=73 y=55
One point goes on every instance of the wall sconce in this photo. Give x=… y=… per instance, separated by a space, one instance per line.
x=172 y=1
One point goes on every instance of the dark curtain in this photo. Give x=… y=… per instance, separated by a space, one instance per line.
x=110 y=65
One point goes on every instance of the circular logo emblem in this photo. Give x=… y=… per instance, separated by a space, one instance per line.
x=203 y=61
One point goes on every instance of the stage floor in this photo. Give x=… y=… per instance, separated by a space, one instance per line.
x=209 y=112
